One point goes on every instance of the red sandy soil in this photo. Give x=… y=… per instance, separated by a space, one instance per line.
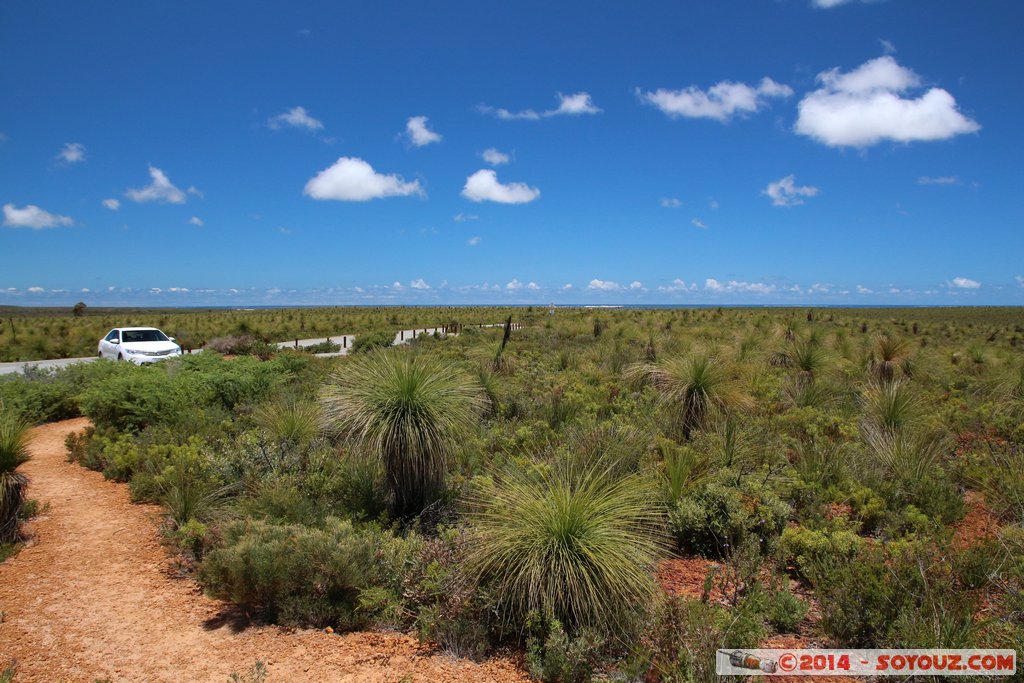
x=93 y=596
x=979 y=523
x=685 y=576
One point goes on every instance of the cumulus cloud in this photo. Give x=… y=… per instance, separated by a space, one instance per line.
x=671 y=203
x=964 y=283
x=296 y=117
x=636 y=284
x=574 y=105
x=494 y=157
x=351 y=179
x=419 y=283
x=720 y=102
x=36 y=290
x=865 y=106
x=604 y=285
x=938 y=180
x=112 y=204
x=713 y=285
x=483 y=186
x=418 y=132
x=786 y=192
x=33 y=217
x=473 y=241
x=678 y=285
x=72 y=153
x=861 y=289
x=571 y=105
x=196 y=221
x=161 y=189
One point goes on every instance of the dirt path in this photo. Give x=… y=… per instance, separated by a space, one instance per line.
x=91 y=597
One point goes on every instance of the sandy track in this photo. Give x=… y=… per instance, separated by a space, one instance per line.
x=92 y=596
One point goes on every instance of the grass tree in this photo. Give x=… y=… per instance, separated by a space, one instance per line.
x=573 y=543
x=409 y=409
x=887 y=352
x=13 y=452
x=693 y=386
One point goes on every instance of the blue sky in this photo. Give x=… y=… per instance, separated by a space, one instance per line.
x=734 y=151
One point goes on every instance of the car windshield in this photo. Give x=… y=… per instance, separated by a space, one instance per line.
x=143 y=336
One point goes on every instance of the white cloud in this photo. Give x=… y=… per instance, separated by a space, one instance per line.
x=864 y=107
x=818 y=288
x=887 y=46
x=1020 y=280
x=698 y=223
x=636 y=284
x=678 y=285
x=514 y=285
x=351 y=179
x=566 y=286
x=713 y=285
x=397 y=285
x=112 y=204
x=419 y=283
x=938 y=180
x=160 y=190
x=72 y=153
x=484 y=186
x=36 y=290
x=419 y=134
x=720 y=102
x=196 y=221
x=786 y=192
x=473 y=241
x=964 y=283
x=828 y=4
x=604 y=285
x=671 y=203
x=33 y=217
x=861 y=289
x=713 y=204
x=494 y=157
x=572 y=105
x=463 y=217
x=532 y=285
x=296 y=117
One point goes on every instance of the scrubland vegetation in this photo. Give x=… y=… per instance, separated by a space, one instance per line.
x=523 y=493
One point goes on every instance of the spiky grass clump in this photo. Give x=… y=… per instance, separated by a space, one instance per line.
x=290 y=421
x=693 y=386
x=576 y=544
x=905 y=454
x=891 y=405
x=408 y=409
x=13 y=453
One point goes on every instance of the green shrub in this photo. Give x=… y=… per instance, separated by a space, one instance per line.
x=368 y=341
x=718 y=516
x=141 y=398
x=806 y=548
x=37 y=398
x=292 y=574
x=553 y=657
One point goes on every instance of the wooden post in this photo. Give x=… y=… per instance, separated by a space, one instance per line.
x=401 y=335
x=296 y=342
x=344 y=342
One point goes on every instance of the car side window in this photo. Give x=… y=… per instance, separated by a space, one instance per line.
x=112 y=337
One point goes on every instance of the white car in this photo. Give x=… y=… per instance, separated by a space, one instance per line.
x=138 y=345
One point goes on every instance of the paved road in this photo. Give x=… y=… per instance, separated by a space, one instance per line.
x=401 y=337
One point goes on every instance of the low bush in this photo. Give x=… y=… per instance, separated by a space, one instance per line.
x=368 y=341
x=292 y=574
x=717 y=516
